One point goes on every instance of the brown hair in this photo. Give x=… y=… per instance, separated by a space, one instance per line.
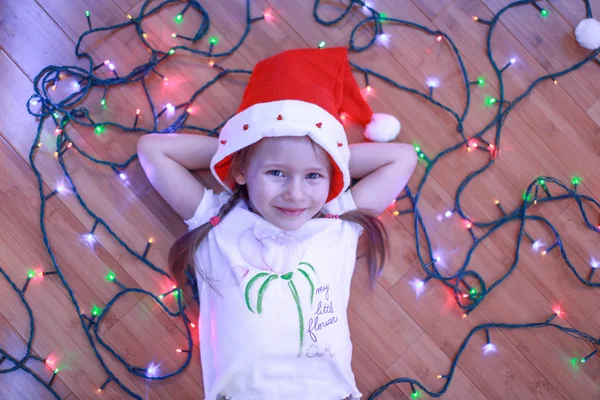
x=181 y=256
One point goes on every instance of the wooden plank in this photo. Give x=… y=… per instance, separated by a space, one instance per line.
x=378 y=322
x=424 y=361
x=21 y=41
x=147 y=335
x=431 y=8
x=592 y=365
x=548 y=349
x=370 y=377
x=594 y=112
x=504 y=375
x=19 y=384
x=552 y=35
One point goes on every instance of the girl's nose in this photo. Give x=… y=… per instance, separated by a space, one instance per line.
x=295 y=190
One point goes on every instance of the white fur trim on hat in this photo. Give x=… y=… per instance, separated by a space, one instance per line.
x=298 y=118
x=588 y=33
x=382 y=128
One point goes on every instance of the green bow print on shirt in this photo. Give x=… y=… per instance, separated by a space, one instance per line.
x=289 y=277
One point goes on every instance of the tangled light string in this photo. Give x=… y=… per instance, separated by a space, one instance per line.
x=467 y=296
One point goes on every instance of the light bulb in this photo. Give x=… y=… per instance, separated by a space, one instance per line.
x=433 y=82
x=536 y=245
x=489 y=348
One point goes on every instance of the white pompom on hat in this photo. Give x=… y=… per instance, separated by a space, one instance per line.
x=588 y=33
x=302 y=92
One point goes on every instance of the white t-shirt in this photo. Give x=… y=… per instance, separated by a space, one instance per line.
x=277 y=329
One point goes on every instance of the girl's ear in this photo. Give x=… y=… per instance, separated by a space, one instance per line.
x=240 y=178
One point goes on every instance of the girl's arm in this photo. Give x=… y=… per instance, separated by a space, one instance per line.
x=167 y=160
x=384 y=168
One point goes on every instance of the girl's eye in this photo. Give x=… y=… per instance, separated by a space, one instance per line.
x=274 y=172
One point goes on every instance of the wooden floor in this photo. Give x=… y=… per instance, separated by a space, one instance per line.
x=396 y=333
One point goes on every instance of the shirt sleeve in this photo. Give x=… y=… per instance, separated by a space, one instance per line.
x=209 y=206
x=344 y=202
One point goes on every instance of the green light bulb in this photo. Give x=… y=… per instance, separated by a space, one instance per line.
x=96 y=311
x=544 y=13
x=415 y=394
x=87 y=13
x=31 y=274
x=55 y=115
x=576 y=180
x=103 y=101
x=422 y=155
x=322 y=44
x=382 y=16
x=111 y=276
x=172 y=51
x=480 y=81
x=583 y=360
x=542 y=182
x=574 y=361
x=473 y=291
x=99 y=129
x=526 y=197
x=178 y=18
x=213 y=40
x=417 y=149
x=56 y=371
x=490 y=101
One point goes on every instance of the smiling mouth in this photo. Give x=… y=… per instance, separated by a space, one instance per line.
x=291 y=212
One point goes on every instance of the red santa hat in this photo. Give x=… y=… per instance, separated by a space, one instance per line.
x=302 y=92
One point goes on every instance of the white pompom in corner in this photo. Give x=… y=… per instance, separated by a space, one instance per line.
x=382 y=128
x=588 y=33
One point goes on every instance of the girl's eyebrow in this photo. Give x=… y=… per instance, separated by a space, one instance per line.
x=275 y=165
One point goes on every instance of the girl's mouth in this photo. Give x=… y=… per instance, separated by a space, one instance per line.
x=291 y=212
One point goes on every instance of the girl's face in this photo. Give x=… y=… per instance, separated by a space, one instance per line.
x=287 y=179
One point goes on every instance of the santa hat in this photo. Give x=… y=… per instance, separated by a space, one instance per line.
x=297 y=93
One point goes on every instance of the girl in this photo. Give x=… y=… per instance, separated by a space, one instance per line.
x=274 y=253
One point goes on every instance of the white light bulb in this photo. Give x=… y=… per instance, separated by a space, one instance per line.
x=536 y=245
x=595 y=264
x=76 y=85
x=170 y=107
x=448 y=214
x=433 y=82
x=122 y=176
x=153 y=369
x=489 y=348
x=60 y=188
x=365 y=8
x=111 y=66
x=383 y=39
x=34 y=102
x=513 y=60
x=89 y=238
x=418 y=285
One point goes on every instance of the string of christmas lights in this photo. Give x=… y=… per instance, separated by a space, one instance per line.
x=467 y=294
